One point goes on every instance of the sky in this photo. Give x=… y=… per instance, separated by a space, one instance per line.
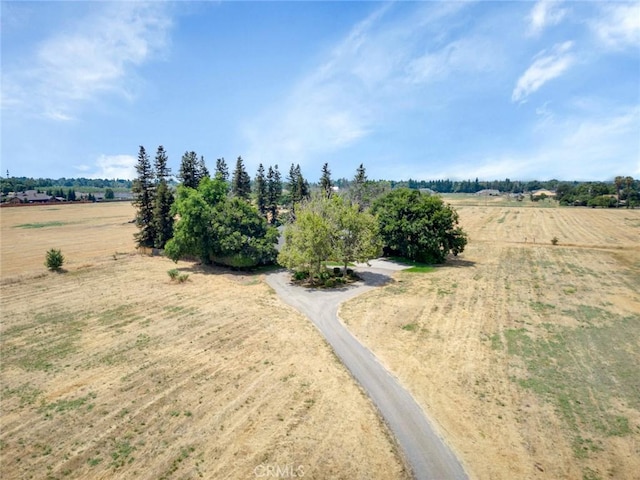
x=424 y=90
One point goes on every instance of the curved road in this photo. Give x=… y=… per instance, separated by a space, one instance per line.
x=426 y=453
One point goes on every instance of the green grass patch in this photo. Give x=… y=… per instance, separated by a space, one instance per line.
x=421 y=269
x=42 y=224
x=581 y=371
x=410 y=327
x=64 y=405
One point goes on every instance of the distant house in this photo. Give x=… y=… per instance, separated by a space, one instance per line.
x=488 y=192
x=30 y=196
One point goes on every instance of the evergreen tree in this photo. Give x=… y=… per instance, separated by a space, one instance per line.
x=358 y=189
x=203 y=171
x=189 y=170
x=241 y=184
x=325 y=181
x=260 y=190
x=274 y=192
x=162 y=217
x=222 y=171
x=143 y=188
x=292 y=183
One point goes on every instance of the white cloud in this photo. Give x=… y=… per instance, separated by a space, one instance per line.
x=545 y=13
x=114 y=166
x=618 y=25
x=545 y=67
x=95 y=56
x=365 y=80
x=576 y=148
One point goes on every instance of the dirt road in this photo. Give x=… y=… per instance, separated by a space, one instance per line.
x=426 y=453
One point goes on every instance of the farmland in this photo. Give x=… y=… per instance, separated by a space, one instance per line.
x=111 y=370
x=526 y=354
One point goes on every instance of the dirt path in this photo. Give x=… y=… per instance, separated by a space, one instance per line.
x=427 y=454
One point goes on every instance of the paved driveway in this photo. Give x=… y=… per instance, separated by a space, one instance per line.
x=427 y=454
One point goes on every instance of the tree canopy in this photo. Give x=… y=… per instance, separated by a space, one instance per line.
x=419 y=226
x=328 y=229
x=220 y=229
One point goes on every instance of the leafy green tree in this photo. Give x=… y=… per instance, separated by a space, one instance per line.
x=163 y=200
x=329 y=229
x=274 y=193
x=222 y=171
x=144 y=190
x=355 y=236
x=326 y=186
x=307 y=242
x=419 y=227
x=241 y=183
x=216 y=228
x=189 y=173
x=108 y=194
x=260 y=190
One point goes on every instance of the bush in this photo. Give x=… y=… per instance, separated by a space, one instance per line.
x=300 y=275
x=173 y=274
x=183 y=278
x=54 y=260
x=554 y=241
x=330 y=282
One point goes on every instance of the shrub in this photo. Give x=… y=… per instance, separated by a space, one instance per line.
x=183 y=278
x=173 y=274
x=330 y=282
x=554 y=241
x=300 y=275
x=54 y=260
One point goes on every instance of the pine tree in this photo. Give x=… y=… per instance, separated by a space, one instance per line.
x=143 y=188
x=203 y=171
x=189 y=170
x=274 y=192
x=222 y=171
x=325 y=181
x=162 y=218
x=241 y=184
x=260 y=190
x=358 y=190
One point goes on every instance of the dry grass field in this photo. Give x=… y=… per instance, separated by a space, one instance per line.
x=110 y=370
x=527 y=355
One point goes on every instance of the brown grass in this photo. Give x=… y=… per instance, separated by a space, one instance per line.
x=525 y=353
x=110 y=370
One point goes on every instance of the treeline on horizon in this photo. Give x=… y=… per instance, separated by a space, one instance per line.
x=586 y=193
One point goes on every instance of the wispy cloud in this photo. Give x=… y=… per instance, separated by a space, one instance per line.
x=95 y=56
x=618 y=25
x=545 y=13
x=364 y=81
x=575 y=148
x=545 y=67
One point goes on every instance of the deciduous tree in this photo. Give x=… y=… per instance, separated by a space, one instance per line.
x=419 y=227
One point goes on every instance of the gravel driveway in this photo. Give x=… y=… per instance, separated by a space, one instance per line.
x=427 y=454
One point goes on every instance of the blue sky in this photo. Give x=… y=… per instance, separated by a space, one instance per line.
x=423 y=90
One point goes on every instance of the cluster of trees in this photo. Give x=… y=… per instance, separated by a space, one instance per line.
x=154 y=200
x=230 y=220
x=623 y=192
x=474 y=186
x=357 y=225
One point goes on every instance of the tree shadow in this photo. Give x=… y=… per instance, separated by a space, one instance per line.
x=374 y=279
x=456 y=262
